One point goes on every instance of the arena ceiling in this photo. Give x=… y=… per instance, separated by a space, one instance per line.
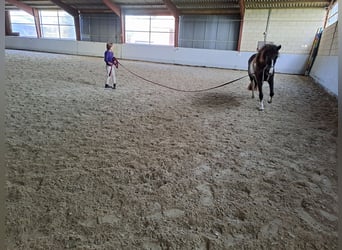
x=164 y=7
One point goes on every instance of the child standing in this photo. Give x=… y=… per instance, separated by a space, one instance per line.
x=110 y=68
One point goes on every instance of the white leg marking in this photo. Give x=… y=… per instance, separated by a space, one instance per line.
x=261 y=105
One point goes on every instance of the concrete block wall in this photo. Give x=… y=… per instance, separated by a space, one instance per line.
x=294 y=29
x=253 y=28
x=325 y=67
x=329 y=41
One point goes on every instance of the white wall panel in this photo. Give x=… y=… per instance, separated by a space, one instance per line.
x=287 y=63
x=325 y=72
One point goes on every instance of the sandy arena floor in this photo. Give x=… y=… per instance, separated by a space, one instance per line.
x=144 y=167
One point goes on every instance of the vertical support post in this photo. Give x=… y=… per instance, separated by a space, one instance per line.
x=37 y=22
x=267 y=24
x=176 y=31
x=240 y=35
x=175 y=12
x=8 y=28
x=123 y=34
x=242 y=16
x=77 y=27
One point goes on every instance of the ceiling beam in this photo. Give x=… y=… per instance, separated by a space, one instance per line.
x=210 y=12
x=21 y=6
x=115 y=8
x=148 y=12
x=66 y=7
x=170 y=5
x=287 y=1
x=242 y=8
x=286 y=4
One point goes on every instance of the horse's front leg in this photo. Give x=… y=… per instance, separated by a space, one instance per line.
x=253 y=86
x=271 y=83
x=261 y=96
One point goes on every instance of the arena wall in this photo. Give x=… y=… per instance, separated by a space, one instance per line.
x=325 y=67
x=294 y=29
x=289 y=63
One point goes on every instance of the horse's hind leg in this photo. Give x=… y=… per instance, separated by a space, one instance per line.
x=251 y=85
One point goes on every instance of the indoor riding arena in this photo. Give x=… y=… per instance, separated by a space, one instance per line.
x=178 y=155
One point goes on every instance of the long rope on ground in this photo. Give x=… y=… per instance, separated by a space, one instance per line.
x=181 y=90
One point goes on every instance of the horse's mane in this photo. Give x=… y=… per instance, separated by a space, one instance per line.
x=267 y=49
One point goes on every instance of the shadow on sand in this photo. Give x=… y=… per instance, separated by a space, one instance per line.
x=216 y=100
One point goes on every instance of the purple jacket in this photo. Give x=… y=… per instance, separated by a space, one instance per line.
x=108 y=57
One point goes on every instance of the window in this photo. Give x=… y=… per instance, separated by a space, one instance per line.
x=23 y=23
x=333 y=14
x=158 y=30
x=57 y=24
x=53 y=24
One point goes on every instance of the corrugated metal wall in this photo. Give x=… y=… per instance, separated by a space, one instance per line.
x=100 y=28
x=209 y=32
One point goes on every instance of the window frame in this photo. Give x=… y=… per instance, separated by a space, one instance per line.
x=150 y=30
x=14 y=14
x=58 y=15
x=332 y=14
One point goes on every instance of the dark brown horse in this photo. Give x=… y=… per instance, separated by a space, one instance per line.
x=261 y=68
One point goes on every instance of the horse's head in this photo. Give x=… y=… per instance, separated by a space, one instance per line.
x=268 y=55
